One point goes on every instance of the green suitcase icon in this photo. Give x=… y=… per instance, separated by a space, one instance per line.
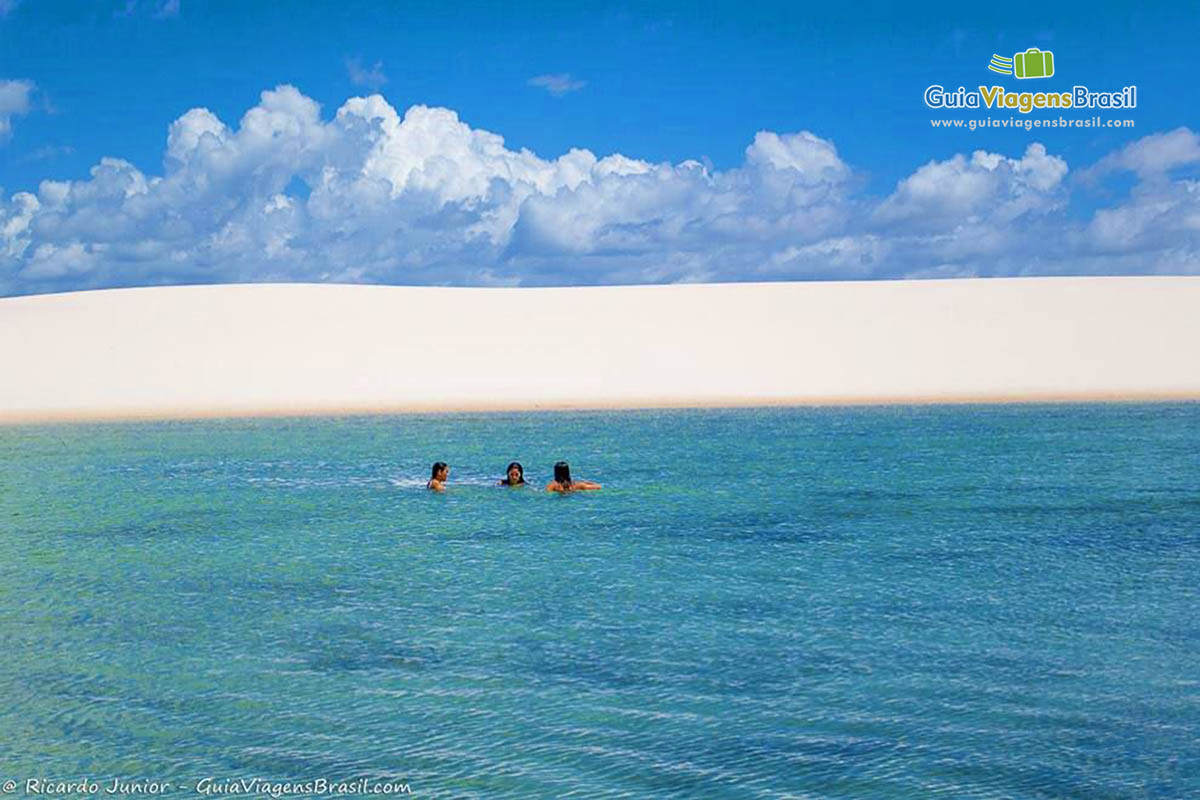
x=1033 y=63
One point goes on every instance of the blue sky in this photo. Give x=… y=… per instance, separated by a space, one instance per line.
x=660 y=84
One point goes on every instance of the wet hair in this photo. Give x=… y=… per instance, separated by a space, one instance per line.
x=438 y=466
x=520 y=476
x=562 y=473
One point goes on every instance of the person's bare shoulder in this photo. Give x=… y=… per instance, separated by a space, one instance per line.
x=554 y=486
x=436 y=486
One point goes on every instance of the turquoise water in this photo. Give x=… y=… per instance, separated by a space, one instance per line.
x=977 y=602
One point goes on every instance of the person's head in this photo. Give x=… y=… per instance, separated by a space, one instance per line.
x=562 y=473
x=440 y=471
x=514 y=474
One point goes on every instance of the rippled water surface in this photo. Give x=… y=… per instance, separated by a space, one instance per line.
x=867 y=603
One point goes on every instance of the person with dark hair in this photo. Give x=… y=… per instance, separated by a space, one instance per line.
x=564 y=483
x=438 y=477
x=514 y=475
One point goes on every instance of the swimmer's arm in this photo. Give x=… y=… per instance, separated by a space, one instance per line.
x=586 y=485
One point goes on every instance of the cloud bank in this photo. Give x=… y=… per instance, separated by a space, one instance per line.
x=423 y=198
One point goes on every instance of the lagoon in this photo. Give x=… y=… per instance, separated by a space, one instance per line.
x=976 y=601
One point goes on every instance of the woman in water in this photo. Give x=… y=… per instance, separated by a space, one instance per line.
x=438 y=477
x=563 y=483
x=514 y=475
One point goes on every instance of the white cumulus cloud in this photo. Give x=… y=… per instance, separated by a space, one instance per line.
x=14 y=101
x=1152 y=156
x=985 y=186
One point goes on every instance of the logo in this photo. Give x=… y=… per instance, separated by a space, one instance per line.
x=1033 y=63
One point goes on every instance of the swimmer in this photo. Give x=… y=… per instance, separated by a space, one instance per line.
x=438 y=477
x=563 y=484
x=514 y=475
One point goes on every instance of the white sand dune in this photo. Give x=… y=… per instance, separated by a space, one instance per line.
x=289 y=348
